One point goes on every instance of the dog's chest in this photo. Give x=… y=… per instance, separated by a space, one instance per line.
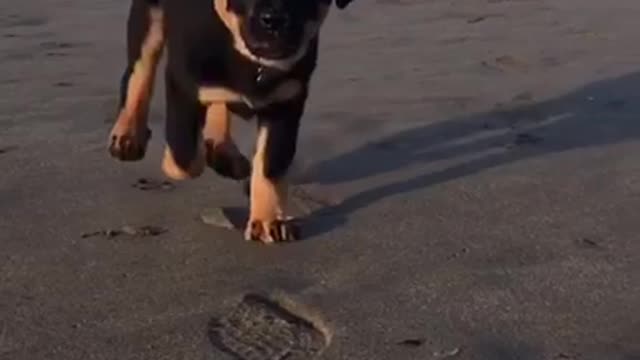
x=214 y=62
x=247 y=86
x=251 y=79
x=200 y=44
x=257 y=87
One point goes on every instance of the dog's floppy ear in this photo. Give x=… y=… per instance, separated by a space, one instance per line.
x=341 y=4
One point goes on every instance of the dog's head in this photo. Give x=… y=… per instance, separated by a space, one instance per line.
x=274 y=30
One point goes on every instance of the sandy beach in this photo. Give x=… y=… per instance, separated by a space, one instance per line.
x=468 y=169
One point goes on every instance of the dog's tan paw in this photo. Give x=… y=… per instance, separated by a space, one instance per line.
x=271 y=231
x=127 y=141
x=174 y=171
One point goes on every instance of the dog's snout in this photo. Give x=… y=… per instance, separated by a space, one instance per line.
x=273 y=21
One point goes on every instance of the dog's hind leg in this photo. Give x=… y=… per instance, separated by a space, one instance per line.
x=145 y=42
x=222 y=153
x=184 y=156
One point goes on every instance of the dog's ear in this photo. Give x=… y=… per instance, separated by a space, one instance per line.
x=341 y=4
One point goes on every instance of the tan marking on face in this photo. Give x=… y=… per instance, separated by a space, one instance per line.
x=287 y=90
x=141 y=80
x=175 y=172
x=233 y=22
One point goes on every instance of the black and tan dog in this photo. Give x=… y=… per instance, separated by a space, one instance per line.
x=248 y=57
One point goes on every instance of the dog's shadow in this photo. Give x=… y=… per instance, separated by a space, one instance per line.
x=601 y=113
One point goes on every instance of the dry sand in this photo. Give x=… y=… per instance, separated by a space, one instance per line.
x=485 y=152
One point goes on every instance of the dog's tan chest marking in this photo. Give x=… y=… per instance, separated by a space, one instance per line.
x=287 y=90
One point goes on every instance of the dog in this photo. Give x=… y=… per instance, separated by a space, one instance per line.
x=252 y=58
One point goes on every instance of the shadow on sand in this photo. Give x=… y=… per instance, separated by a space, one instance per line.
x=601 y=113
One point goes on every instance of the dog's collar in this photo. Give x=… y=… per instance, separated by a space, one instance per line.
x=265 y=76
x=260 y=75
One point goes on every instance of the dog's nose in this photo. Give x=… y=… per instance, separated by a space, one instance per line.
x=273 y=21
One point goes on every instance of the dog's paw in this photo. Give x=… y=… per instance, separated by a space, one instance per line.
x=192 y=170
x=227 y=160
x=272 y=231
x=128 y=142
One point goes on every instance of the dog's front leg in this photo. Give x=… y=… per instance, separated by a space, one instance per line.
x=145 y=42
x=275 y=149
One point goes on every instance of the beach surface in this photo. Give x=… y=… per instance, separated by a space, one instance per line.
x=469 y=173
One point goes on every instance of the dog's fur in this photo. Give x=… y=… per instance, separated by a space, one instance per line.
x=212 y=71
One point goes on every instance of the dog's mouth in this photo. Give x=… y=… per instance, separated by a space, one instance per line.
x=271 y=50
x=272 y=36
